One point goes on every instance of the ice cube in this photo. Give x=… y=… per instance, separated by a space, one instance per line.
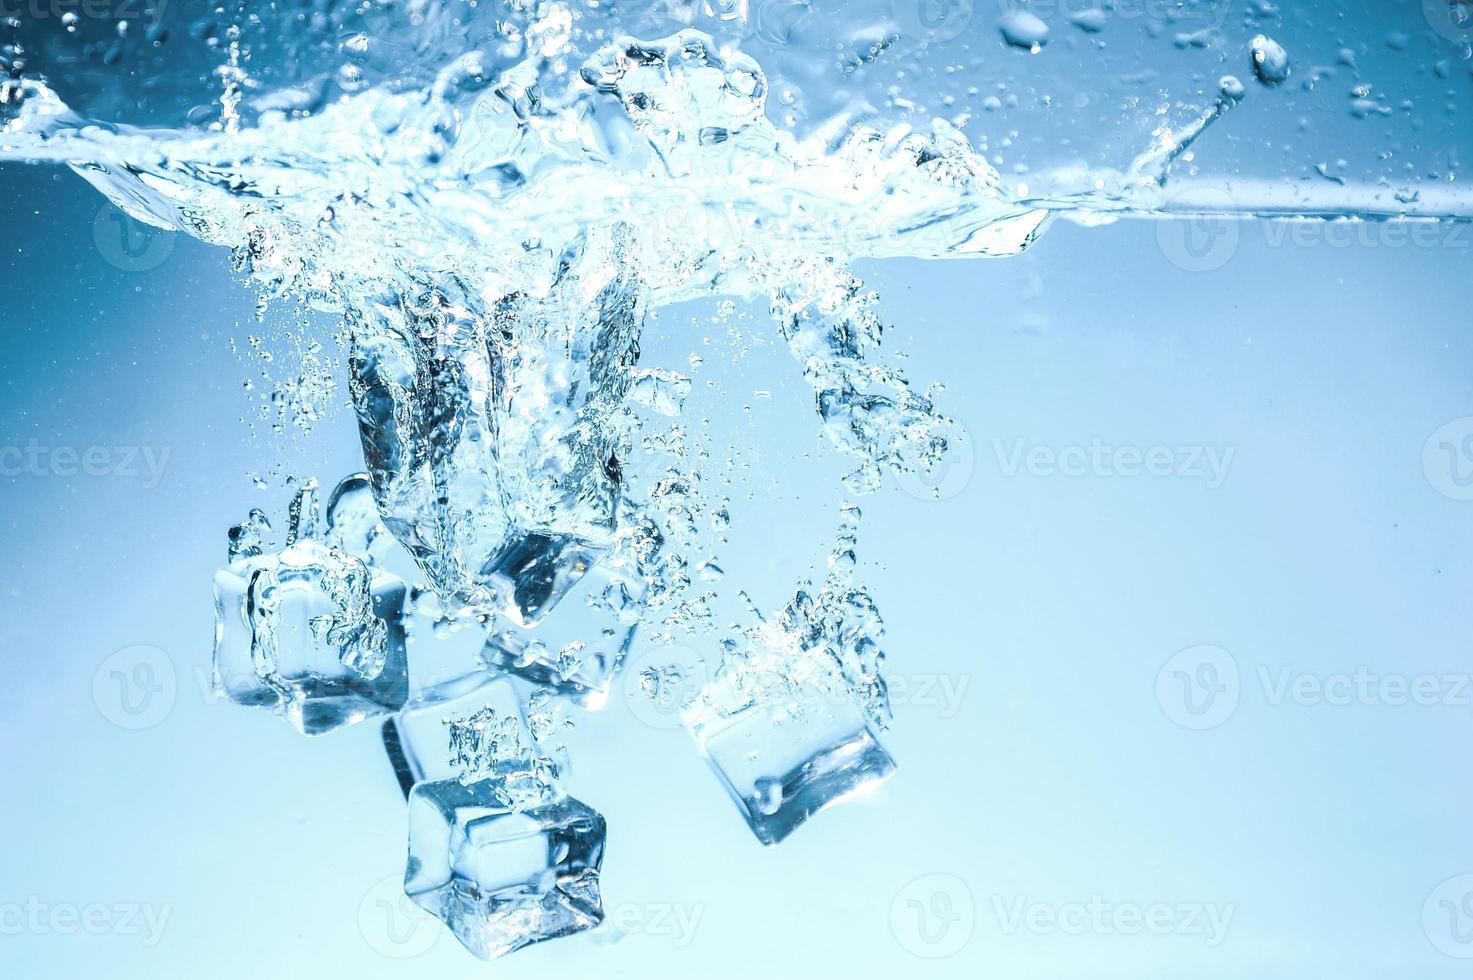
x=310 y=632
x=494 y=438
x=786 y=759
x=480 y=730
x=501 y=878
x=576 y=650
x=353 y=522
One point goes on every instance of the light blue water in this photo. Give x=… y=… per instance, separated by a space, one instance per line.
x=1298 y=394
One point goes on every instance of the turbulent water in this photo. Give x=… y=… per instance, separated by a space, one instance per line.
x=496 y=213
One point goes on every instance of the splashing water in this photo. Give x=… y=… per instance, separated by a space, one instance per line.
x=496 y=208
x=496 y=245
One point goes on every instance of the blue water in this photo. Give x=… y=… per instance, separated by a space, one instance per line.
x=1075 y=756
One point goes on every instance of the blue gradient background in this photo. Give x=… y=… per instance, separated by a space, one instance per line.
x=1054 y=600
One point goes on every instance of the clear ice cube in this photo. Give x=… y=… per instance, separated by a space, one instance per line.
x=494 y=437
x=444 y=649
x=310 y=633
x=576 y=650
x=480 y=730
x=784 y=760
x=501 y=878
x=353 y=522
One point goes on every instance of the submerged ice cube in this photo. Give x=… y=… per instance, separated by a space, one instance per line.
x=310 y=632
x=784 y=760
x=444 y=649
x=576 y=650
x=479 y=731
x=494 y=433
x=501 y=878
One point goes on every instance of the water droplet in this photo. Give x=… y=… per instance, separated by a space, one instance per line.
x=1270 y=60
x=1091 y=21
x=1023 y=30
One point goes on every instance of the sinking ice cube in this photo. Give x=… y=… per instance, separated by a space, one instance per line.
x=786 y=759
x=479 y=731
x=444 y=648
x=534 y=571
x=576 y=650
x=353 y=522
x=501 y=878
x=493 y=437
x=310 y=633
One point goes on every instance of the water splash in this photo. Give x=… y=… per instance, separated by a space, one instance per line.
x=496 y=206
